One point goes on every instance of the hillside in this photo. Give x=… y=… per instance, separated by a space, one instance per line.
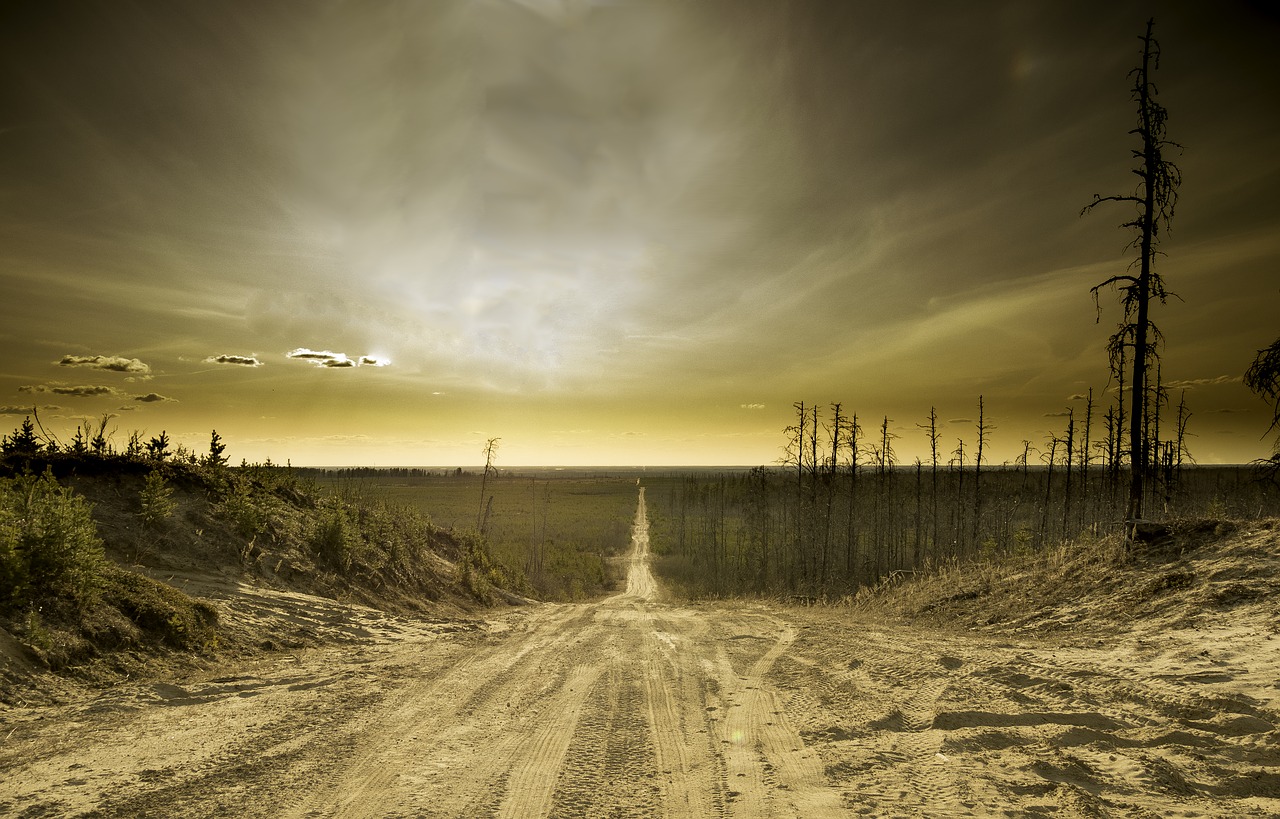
x=1181 y=575
x=186 y=565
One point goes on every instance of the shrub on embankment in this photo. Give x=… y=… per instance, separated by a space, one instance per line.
x=83 y=538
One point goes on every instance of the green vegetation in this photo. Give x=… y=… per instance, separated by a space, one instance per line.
x=552 y=537
x=156 y=500
x=72 y=517
x=50 y=553
x=59 y=591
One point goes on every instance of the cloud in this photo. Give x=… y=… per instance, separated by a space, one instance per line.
x=15 y=410
x=1079 y=396
x=960 y=421
x=83 y=391
x=1226 y=411
x=152 y=398
x=113 y=363
x=242 y=360
x=752 y=406
x=1202 y=382
x=1061 y=414
x=305 y=353
x=327 y=358
x=322 y=358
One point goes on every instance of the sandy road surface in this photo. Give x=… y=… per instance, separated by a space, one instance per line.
x=634 y=707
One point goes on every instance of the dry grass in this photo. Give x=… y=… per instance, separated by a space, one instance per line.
x=1199 y=565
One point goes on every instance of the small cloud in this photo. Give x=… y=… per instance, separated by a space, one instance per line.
x=752 y=406
x=960 y=421
x=15 y=410
x=328 y=358
x=1202 y=382
x=1226 y=411
x=1062 y=414
x=83 y=391
x=1079 y=396
x=113 y=363
x=241 y=360
x=321 y=358
x=152 y=398
x=312 y=355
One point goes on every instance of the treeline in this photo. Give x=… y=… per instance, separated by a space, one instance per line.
x=352 y=472
x=95 y=440
x=842 y=512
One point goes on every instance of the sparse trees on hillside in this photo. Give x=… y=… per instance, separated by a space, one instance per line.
x=216 y=456
x=158 y=446
x=1153 y=201
x=23 y=440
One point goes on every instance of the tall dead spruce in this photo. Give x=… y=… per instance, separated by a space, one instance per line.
x=1153 y=201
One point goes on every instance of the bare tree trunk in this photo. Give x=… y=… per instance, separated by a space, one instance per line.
x=1155 y=201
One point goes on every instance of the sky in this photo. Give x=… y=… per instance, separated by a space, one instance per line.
x=617 y=231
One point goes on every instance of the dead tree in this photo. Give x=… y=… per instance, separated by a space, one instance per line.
x=854 y=432
x=1153 y=201
x=1263 y=377
x=934 y=436
x=482 y=516
x=984 y=434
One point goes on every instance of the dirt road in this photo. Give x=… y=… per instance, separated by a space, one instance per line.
x=635 y=707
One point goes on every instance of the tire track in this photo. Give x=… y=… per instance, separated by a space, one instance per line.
x=429 y=727
x=692 y=775
x=770 y=771
x=612 y=744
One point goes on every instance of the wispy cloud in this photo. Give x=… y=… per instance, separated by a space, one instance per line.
x=752 y=406
x=1202 y=382
x=113 y=363
x=153 y=398
x=241 y=360
x=80 y=391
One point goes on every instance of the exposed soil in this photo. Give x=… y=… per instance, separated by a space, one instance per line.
x=636 y=706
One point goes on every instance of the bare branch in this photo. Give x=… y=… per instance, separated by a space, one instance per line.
x=1099 y=199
